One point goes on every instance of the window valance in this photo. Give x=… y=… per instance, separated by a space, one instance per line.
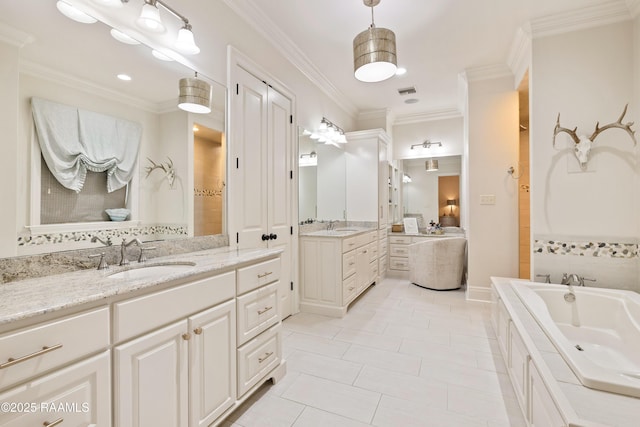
x=74 y=140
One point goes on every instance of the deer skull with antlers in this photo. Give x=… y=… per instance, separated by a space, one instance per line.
x=583 y=143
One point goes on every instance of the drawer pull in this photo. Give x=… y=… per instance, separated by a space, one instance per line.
x=351 y=288
x=44 y=350
x=351 y=263
x=54 y=423
x=260 y=276
x=197 y=330
x=186 y=336
x=265 y=357
x=265 y=310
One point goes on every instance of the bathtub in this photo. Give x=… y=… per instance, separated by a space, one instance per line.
x=598 y=334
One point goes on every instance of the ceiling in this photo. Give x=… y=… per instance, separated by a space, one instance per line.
x=436 y=41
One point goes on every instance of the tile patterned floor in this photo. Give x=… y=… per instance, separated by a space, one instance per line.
x=402 y=356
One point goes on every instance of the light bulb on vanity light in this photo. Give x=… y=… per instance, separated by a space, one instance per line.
x=149 y=18
x=185 y=42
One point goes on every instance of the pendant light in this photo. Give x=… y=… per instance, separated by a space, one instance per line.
x=195 y=95
x=431 y=165
x=374 y=52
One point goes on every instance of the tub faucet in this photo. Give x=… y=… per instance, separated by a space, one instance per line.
x=123 y=249
x=569 y=279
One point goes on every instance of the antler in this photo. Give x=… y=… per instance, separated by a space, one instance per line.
x=155 y=166
x=617 y=124
x=558 y=129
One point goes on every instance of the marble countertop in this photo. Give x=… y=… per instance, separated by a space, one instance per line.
x=338 y=232
x=402 y=233
x=32 y=297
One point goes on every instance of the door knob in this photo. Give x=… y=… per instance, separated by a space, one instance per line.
x=273 y=236
x=265 y=237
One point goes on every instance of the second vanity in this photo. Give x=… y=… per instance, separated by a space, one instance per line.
x=336 y=266
x=183 y=347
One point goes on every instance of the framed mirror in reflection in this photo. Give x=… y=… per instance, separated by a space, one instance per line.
x=432 y=195
x=77 y=64
x=322 y=175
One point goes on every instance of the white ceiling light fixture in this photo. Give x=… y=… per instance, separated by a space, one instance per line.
x=185 y=42
x=195 y=95
x=72 y=12
x=150 y=20
x=374 y=52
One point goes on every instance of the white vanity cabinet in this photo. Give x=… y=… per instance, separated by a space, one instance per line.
x=335 y=270
x=62 y=364
x=155 y=372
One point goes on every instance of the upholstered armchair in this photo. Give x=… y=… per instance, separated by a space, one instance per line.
x=438 y=263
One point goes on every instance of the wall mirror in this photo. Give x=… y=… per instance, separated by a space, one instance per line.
x=77 y=64
x=433 y=195
x=322 y=183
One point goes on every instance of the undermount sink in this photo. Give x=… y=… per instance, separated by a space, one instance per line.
x=144 y=271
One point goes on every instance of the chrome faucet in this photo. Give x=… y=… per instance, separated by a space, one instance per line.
x=97 y=239
x=123 y=249
x=330 y=225
x=569 y=279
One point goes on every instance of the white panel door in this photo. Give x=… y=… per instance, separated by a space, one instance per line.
x=212 y=363
x=280 y=183
x=151 y=379
x=249 y=192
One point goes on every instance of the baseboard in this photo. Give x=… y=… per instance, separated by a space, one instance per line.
x=478 y=293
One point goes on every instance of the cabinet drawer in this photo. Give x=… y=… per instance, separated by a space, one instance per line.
x=403 y=240
x=373 y=268
x=399 y=250
x=138 y=315
x=348 y=289
x=84 y=390
x=383 y=246
x=373 y=251
x=398 y=263
x=52 y=344
x=257 y=358
x=348 y=264
x=349 y=244
x=257 y=311
x=254 y=276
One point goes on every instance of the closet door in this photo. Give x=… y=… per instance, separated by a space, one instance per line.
x=280 y=183
x=249 y=193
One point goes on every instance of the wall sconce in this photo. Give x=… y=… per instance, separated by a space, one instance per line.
x=451 y=203
x=427 y=144
x=195 y=95
x=329 y=133
x=431 y=165
x=308 y=159
x=406 y=178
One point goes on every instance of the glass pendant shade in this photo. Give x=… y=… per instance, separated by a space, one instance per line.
x=185 y=42
x=150 y=18
x=374 y=55
x=431 y=165
x=195 y=95
x=122 y=37
x=72 y=13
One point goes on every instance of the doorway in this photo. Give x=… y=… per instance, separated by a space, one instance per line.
x=209 y=156
x=524 y=202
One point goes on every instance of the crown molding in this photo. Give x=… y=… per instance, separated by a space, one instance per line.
x=428 y=116
x=519 y=58
x=487 y=72
x=381 y=113
x=634 y=7
x=40 y=71
x=587 y=17
x=247 y=10
x=14 y=37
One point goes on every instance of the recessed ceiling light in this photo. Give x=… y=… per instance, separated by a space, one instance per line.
x=411 y=101
x=124 y=77
x=122 y=37
x=161 y=56
x=73 y=13
x=400 y=71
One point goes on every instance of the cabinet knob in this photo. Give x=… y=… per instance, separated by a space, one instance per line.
x=186 y=336
x=197 y=330
x=265 y=237
x=273 y=236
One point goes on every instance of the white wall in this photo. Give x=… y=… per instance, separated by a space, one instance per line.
x=492 y=230
x=587 y=76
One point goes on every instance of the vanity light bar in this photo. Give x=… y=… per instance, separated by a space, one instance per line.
x=427 y=144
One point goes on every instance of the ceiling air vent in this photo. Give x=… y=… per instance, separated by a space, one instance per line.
x=407 y=90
